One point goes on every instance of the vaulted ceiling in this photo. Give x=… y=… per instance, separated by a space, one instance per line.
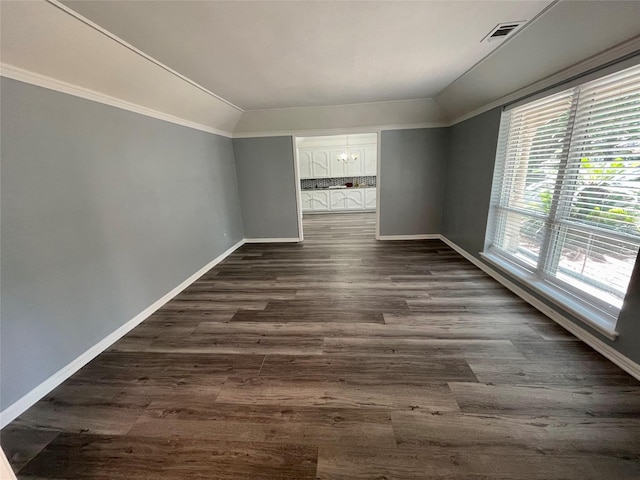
x=260 y=55
x=250 y=66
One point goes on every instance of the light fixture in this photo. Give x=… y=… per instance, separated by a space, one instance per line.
x=346 y=155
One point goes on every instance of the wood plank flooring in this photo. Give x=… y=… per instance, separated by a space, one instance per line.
x=338 y=358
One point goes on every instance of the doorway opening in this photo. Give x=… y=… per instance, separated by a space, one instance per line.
x=337 y=182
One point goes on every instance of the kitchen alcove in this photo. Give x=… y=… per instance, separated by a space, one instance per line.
x=337 y=174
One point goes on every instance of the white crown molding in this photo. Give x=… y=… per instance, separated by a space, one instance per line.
x=425 y=236
x=624 y=49
x=598 y=345
x=339 y=131
x=125 y=44
x=272 y=240
x=411 y=126
x=21 y=405
x=32 y=78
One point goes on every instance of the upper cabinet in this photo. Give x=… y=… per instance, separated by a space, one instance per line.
x=323 y=162
x=370 y=160
x=353 y=167
x=305 y=160
x=314 y=162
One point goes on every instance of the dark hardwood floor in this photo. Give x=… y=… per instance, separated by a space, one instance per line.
x=338 y=358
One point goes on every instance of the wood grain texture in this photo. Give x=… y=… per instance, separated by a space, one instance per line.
x=303 y=392
x=444 y=463
x=140 y=458
x=338 y=358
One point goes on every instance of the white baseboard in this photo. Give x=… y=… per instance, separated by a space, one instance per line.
x=425 y=236
x=19 y=406
x=272 y=240
x=6 y=472
x=594 y=342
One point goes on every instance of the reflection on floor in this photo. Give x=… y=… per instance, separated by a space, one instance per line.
x=341 y=357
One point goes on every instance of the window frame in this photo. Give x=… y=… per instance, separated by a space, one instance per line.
x=585 y=306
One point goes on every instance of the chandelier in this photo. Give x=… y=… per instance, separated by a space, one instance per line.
x=346 y=156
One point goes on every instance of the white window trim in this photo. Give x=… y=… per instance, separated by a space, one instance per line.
x=597 y=319
x=591 y=310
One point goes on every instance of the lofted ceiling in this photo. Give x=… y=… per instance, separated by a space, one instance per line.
x=241 y=68
x=280 y=54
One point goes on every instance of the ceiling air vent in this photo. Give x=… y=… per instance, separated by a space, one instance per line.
x=502 y=30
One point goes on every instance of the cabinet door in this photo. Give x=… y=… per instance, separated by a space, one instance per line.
x=307 y=201
x=355 y=168
x=370 y=160
x=355 y=199
x=370 y=198
x=338 y=200
x=338 y=167
x=321 y=202
x=305 y=161
x=320 y=165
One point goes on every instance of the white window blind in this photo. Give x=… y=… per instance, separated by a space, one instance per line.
x=565 y=204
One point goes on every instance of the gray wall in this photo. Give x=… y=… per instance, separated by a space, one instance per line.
x=412 y=171
x=472 y=154
x=472 y=150
x=267 y=186
x=103 y=212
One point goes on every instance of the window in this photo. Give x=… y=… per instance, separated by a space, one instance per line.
x=565 y=206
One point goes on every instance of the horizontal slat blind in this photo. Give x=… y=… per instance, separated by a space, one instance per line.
x=566 y=195
x=534 y=137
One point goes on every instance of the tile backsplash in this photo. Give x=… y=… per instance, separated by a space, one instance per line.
x=311 y=183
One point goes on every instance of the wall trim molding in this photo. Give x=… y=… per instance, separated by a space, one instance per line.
x=613 y=54
x=21 y=405
x=594 y=342
x=32 y=78
x=272 y=240
x=318 y=132
x=137 y=51
x=50 y=83
x=423 y=236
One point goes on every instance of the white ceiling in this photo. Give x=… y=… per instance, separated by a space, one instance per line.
x=255 y=56
x=264 y=55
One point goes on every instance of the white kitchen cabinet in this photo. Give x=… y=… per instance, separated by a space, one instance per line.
x=355 y=168
x=320 y=164
x=314 y=162
x=350 y=168
x=338 y=200
x=369 y=198
x=305 y=160
x=307 y=201
x=355 y=199
x=315 y=201
x=320 y=201
x=337 y=167
x=347 y=199
x=370 y=167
